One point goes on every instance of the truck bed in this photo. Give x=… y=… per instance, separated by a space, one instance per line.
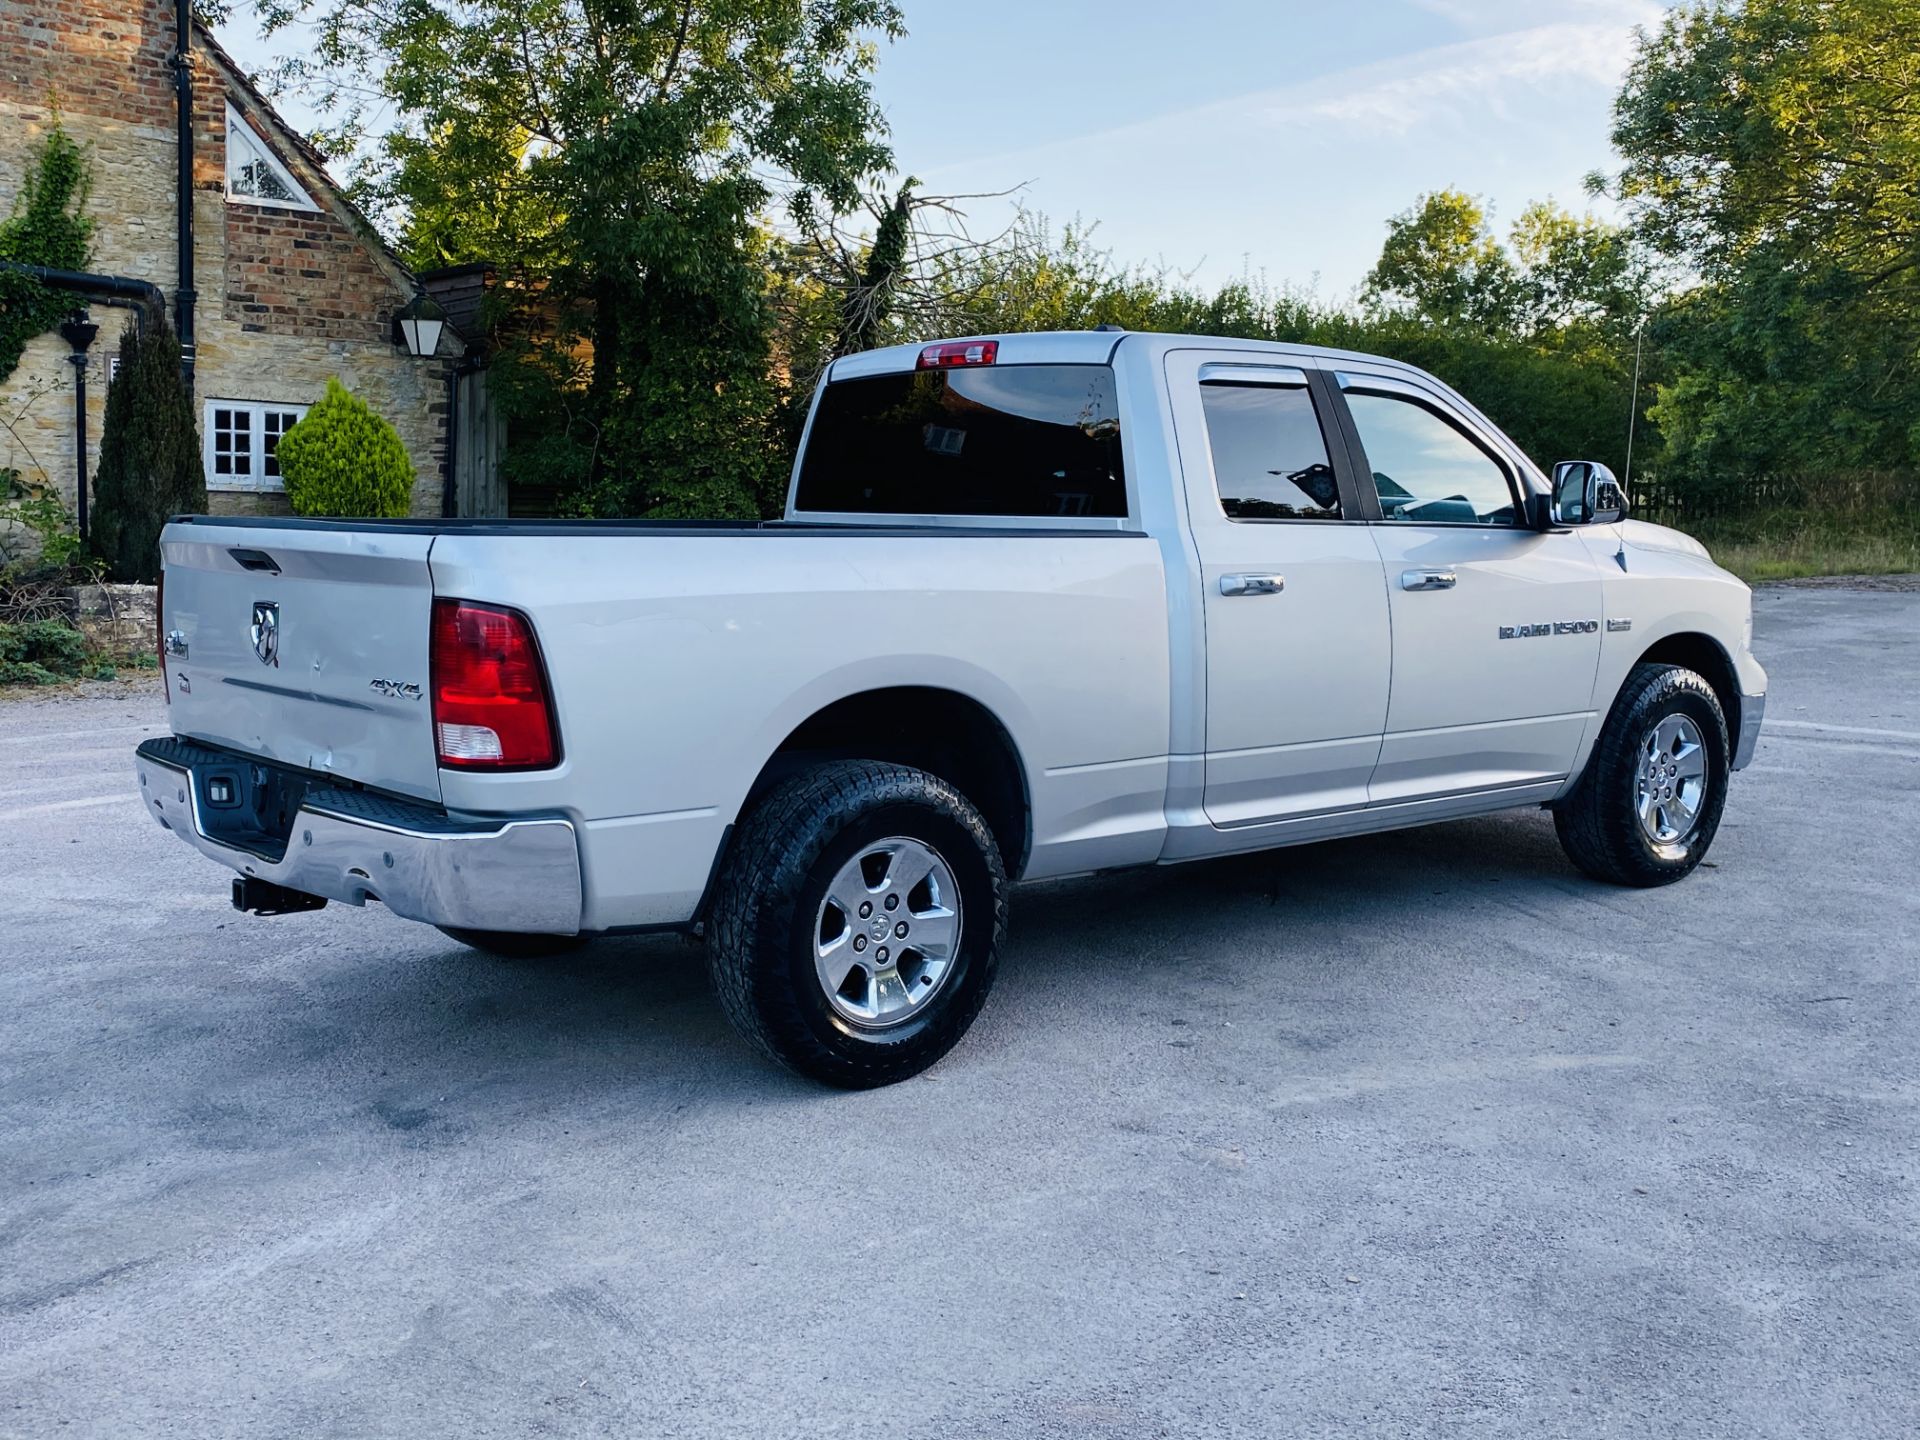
x=680 y=656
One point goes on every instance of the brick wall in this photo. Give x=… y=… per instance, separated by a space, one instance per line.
x=95 y=57
x=287 y=298
x=289 y=272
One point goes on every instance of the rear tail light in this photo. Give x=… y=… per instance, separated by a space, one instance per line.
x=961 y=352
x=491 y=708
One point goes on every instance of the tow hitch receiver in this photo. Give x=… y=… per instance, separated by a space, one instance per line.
x=263 y=897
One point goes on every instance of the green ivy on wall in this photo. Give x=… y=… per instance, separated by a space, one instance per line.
x=47 y=227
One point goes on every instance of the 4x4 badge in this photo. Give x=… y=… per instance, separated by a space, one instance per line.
x=266 y=632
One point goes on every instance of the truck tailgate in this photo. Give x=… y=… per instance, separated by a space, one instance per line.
x=303 y=646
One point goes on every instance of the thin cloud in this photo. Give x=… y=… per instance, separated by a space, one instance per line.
x=1484 y=16
x=1471 y=75
x=1387 y=98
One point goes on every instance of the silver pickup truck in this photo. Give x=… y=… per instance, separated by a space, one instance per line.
x=1039 y=605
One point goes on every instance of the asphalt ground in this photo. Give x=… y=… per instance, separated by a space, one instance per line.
x=1421 y=1134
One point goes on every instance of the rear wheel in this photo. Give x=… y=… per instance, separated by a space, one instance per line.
x=511 y=945
x=856 y=925
x=1649 y=805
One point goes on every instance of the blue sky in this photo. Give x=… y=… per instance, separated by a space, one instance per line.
x=1222 y=136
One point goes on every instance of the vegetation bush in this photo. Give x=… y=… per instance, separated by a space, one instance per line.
x=36 y=532
x=341 y=459
x=150 y=466
x=41 y=652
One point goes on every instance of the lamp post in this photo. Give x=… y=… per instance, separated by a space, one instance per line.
x=78 y=330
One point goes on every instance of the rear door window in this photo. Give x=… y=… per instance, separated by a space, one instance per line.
x=1012 y=440
x=1269 y=456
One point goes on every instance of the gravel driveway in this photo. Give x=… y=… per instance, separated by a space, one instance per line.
x=1422 y=1134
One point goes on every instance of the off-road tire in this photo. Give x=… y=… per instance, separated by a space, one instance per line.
x=762 y=923
x=511 y=945
x=1598 y=823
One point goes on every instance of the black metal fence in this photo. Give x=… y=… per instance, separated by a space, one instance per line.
x=1841 y=494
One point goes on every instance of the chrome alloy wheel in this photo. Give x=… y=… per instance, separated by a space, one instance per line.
x=1671 y=780
x=887 y=933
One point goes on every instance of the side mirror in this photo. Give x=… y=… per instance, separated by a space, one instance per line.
x=1585 y=493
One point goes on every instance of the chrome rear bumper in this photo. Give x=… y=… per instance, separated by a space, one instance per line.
x=518 y=875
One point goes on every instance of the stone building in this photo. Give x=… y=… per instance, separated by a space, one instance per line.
x=289 y=285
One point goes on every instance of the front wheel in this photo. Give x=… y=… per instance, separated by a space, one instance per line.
x=1649 y=805
x=857 y=923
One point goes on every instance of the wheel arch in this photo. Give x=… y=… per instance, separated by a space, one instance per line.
x=943 y=732
x=1705 y=656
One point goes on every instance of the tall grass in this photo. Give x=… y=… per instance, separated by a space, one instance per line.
x=1794 y=552
x=1785 y=527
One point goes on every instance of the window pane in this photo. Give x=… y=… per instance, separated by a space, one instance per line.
x=249 y=172
x=1269 y=457
x=991 y=440
x=1426 y=470
x=223 y=464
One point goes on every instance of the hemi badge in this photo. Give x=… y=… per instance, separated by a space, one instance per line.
x=1614 y=627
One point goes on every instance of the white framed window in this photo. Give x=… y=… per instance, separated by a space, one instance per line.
x=254 y=174
x=240 y=438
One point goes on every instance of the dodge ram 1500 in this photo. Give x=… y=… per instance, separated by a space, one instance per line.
x=1039 y=605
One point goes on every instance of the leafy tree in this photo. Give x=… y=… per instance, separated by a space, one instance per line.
x=614 y=162
x=1578 y=276
x=1441 y=264
x=342 y=459
x=1772 y=147
x=1561 y=277
x=150 y=464
x=48 y=227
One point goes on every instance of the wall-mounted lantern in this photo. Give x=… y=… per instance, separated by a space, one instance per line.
x=420 y=322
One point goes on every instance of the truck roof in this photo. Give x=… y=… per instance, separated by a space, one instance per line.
x=1086 y=347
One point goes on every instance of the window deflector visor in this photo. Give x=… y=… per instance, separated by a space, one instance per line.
x=1253 y=375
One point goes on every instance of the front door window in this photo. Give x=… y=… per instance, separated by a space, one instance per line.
x=1426 y=470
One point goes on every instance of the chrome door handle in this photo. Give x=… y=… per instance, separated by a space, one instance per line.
x=1252 y=584
x=1427 y=579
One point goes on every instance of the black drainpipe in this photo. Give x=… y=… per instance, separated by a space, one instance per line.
x=137 y=295
x=184 y=296
x=449 y=497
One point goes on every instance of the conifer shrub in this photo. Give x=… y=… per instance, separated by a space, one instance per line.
x=150 y=465
x=341 y=459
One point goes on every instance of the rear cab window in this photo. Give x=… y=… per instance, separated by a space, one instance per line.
x=988 y=440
